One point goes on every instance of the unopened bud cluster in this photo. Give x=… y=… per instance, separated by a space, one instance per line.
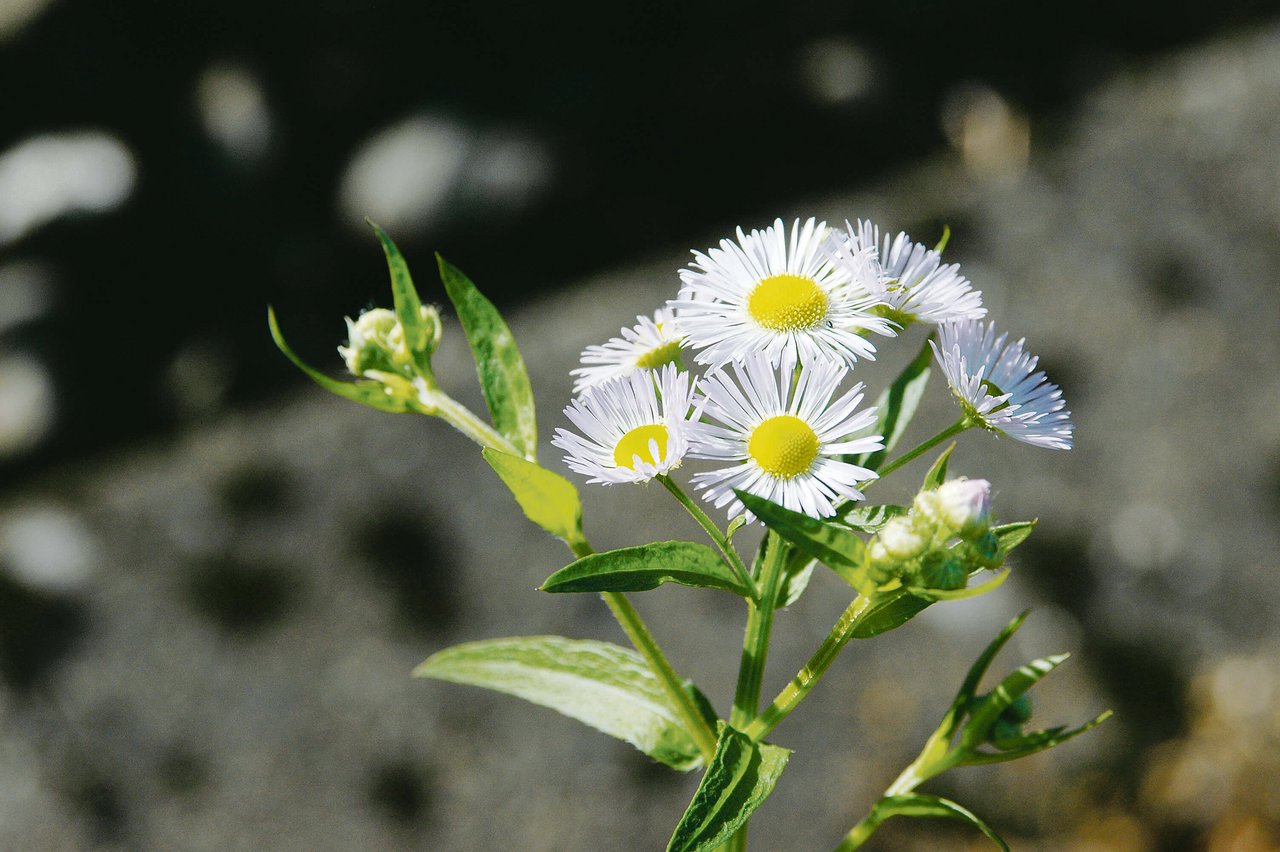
x=921 y=547
x=376 y=346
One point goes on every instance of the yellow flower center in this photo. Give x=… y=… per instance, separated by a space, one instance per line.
x=787 y=303
x=636 y=443
x=667 y=353
x=783 y=446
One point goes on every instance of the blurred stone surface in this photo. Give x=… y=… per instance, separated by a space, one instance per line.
x=229 y=669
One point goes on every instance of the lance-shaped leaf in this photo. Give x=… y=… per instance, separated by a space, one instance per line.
x=370 y=393
x=938 y=472
x=741 y=776
x=897 y=405
x=1031 y=743
x=503 y=377
x=547 y=498
x=1010 y=536
x=890 y=611
x=960 y=594
x=602 y=685
x=638 y=569
x=869 y=519
x=417 y=333
x=920 y=805
x=835 y=546
x=984 y=713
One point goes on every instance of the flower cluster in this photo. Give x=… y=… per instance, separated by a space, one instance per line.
x=777 y=319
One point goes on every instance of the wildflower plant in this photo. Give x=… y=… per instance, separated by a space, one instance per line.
x=775 y=429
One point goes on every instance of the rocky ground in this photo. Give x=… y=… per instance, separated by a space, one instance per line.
x=207 y=643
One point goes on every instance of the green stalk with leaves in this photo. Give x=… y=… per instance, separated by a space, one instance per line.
x=777 y=328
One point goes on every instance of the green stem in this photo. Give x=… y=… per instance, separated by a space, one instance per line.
x=795 y=691
x=755 y=644
x=638 y=632
x=439 y=404
x=910 y=455
x=859 y=834
x=726 y=548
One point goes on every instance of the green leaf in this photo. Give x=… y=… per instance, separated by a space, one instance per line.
x=638 y=569
x=741 y=776
x=960 y=594
x=985 y=711
x=834 y=545
x=892 y=611
x=1011 y=535
x=980 y=665
x=503 y=377
x=946 y=238
x=920 y=805
x=938 y=473
x=370 y=393
x=897 y=405
x=1036 y=742
x=600 y=684
x=417 y=335
x=547 y=499
x=869 y=519
x=796 y=574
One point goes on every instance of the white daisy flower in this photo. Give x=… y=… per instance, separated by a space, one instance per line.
x=648 y=345
x=782 y=444
x=633 y=428
x=765 y=293
x=911 y=282
x=997 y=385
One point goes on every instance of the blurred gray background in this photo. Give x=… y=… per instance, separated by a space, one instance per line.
x=215 y=578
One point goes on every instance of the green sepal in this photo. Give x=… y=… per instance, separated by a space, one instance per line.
x=741 y=776
x=890 y=611
x=938 y=472
x=638 y=569
x=418 y=336
x=547 y=498
x=832 y=544
x=897 y=405
x=396 y=396
x=503 y=377
x=920 y=805
x=869 y=519
x=600 y=684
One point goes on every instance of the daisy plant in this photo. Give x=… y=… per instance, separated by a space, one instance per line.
x=771 y=428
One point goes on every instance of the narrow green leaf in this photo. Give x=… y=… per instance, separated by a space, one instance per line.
x=897 y=405
x=370 y=393
x=600 y=684
x=547 y=498
x=970 y=686
x=869 y=519
x=960 y=594
x=796 y=574
x=1011 y=535
x=741 y=776
x=893 y=611
x=920 y=805
x=503 y=377
x=985 y=712
x=833 y=545
x=638 y=569
x=946 y=238
x=938 y=473
x=1039 y=741
x=407 y=304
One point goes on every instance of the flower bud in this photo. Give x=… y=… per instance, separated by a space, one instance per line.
x=964 y=505
x=375 y=342
x=899 y=539
x=940 y=569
